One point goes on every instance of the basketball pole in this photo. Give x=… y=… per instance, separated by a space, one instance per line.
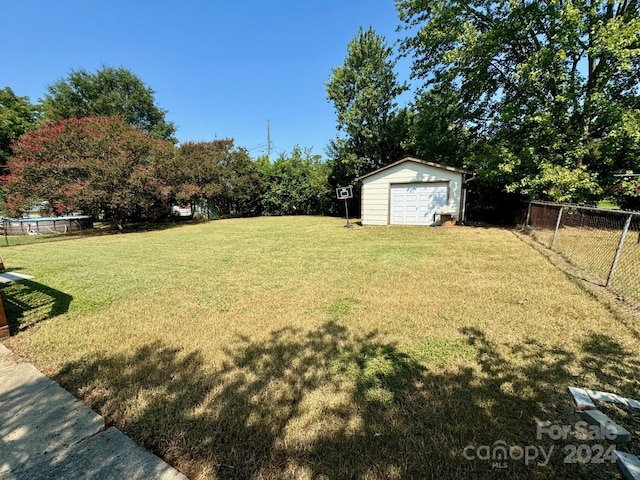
x=346 y=209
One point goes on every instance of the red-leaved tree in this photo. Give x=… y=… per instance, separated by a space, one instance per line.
x=217 y=175
x=94 y=165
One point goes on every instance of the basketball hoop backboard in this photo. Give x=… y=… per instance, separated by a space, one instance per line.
x=343 y=193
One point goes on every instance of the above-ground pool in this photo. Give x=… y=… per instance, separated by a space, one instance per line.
x=44 y=225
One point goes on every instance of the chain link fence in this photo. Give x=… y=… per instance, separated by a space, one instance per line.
x=604 y=243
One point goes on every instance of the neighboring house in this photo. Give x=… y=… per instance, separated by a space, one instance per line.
x=413 y=192
x=37 y=210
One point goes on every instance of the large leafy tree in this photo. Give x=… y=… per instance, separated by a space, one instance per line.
x=295 y=183
x=364 y=92
x=549 y=85
x=17 y=115
x=108 y=91
x=95 y=165
x=217 y=176
x=438 y=131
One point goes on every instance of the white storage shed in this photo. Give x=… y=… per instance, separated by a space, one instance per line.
x=413 y=192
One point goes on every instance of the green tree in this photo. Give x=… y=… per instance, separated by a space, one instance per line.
x=295 y=184
x=438 y=131
x=108 y=91
x=364 y=92
x=546 y=82
x=17 y=116
x=218 y=177
x=93 y=164
x=621 y=149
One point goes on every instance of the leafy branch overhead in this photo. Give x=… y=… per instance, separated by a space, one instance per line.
x=544 y=83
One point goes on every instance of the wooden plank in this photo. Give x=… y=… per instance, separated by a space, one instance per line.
x=633 y=403
x=606 y=397
x=629 y=465
x=610 y=429
x=583 y=402
x=10 y=277
x=4 y=327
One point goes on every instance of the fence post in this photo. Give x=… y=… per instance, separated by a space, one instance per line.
x=526 y=222
x=555 y=233
x=625 y=230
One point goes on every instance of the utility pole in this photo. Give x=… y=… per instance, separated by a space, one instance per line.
x=268 y=141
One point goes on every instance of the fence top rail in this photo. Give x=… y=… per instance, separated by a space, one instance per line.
x=584 y=207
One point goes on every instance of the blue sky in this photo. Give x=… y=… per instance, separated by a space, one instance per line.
x=222 y=69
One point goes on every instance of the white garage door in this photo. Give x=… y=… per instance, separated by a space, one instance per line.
x=415 y=204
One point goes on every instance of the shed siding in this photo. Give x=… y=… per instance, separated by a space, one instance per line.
x=375 y=189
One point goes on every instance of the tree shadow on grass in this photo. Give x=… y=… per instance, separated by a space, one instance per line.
x=331 y=403
x=27 y=303
x=611 y=362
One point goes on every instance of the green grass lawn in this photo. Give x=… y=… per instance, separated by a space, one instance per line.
x=291 y=347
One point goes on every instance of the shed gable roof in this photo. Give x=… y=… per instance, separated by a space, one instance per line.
x=414 y=160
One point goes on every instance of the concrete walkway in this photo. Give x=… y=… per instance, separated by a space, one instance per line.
x=45 y=433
